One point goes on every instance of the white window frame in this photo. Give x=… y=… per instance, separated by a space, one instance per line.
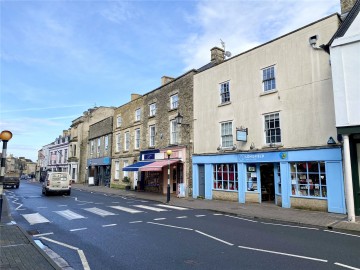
x=174 y=132
x=98 y=145
x=126 y=141
x=227 y=138
x=152 y=132
x=137 y=138
x=269 y=78
x=118 y=121
x=126 y=163
x=106 y=142
x=117 y=170
x=138 y=114
x=274 y=127
x=92 y=147
x=118 y=142
x=152 y=109
x=174 y=101
x=225 y=92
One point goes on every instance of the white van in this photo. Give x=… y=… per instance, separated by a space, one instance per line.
x=57 y=182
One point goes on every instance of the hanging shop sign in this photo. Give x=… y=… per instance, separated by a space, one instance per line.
x=241 y=134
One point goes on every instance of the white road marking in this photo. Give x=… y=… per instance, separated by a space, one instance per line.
x=83 y=259
x=182 y=217
x=18 y=208
x=217 y=239
x=126 y=209
x=115 y=202
x=68 y=214
x=241 y=218
x=99 y=212
x=150 y=208
x=35 y=218
x=42 y=234
x=200 y=215
x=79 y=229
x=354 y=235
x=284 y=225
x=138 y=221
x=217 y=214
x=159 y=218
x=284 y=254
x=165 y=225
x=172 y=207
x=109 y=225
x=80 y=252
x=62 y=205
x=347 y=266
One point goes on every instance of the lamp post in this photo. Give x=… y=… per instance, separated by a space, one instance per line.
x=5 y=136
x=168 y=152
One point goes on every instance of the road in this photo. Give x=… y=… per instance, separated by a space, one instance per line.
x=96 y=231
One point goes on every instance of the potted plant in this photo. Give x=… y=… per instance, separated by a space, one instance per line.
x=126 y=180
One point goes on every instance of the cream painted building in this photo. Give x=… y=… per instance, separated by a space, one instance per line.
x=264 y=125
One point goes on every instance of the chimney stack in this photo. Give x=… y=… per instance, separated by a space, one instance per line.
x=217 y=55
x=346 y=6
x=135 y=96
x=166 y=79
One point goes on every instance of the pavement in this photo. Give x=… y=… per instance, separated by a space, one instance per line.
x=19 y=251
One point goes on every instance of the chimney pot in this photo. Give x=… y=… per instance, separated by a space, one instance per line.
x=166 y=79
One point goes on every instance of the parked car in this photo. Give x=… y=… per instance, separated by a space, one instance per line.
x=57 y=182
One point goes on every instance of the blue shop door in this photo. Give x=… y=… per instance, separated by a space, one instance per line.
x=201 y=180
x=335 y=188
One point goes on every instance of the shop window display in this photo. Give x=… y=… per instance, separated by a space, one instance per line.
x=225 y=177
x=308 y=179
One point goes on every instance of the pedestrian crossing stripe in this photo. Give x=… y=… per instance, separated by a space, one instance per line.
x=150 y=208
x=35 y=218
x=172 y=207
x=126 y=209
x=68 y=214
x=99 y=211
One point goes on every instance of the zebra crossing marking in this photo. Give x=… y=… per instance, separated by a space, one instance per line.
x=68 y=214
x=99 y=212
x=172 y=207
x=126 y=209
x=35 y=218
x=150 y=208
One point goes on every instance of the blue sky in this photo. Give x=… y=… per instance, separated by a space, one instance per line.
x=59 y=58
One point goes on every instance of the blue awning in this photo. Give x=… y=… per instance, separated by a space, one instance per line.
x=136 y=166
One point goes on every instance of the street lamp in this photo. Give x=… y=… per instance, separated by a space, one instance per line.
x=168 y=152
x=5 y=136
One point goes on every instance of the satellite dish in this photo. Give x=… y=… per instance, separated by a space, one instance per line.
x=227 y=54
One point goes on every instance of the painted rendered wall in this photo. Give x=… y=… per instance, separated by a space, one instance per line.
x=345 y=64
x=304 y=94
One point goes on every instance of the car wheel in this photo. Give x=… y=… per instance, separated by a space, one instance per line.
x=46 y=193
x=17 y=186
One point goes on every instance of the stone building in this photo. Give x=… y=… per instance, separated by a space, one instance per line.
x=78 y=145
x=99 y=152
x=146 y=128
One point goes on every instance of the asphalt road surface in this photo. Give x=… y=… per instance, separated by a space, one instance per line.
x=99 y=231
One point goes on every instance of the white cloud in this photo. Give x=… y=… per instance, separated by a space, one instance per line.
x=243 y=25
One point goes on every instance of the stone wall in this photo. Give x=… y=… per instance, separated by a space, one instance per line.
x=309 y=204
x=225 y=195
x=251 y=197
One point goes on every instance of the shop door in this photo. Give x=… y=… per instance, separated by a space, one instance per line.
x=201 y=181
x=267 y=182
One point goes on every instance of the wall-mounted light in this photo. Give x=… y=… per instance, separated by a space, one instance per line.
x=312 y=42
x=179 y=119
x=252 y=146
x=331 y=141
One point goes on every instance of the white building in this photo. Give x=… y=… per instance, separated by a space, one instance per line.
x=264 y=125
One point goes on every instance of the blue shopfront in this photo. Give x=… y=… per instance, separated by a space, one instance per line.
x=305 y=178
x=99 y=171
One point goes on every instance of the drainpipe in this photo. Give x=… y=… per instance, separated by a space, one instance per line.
x=349 y=194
